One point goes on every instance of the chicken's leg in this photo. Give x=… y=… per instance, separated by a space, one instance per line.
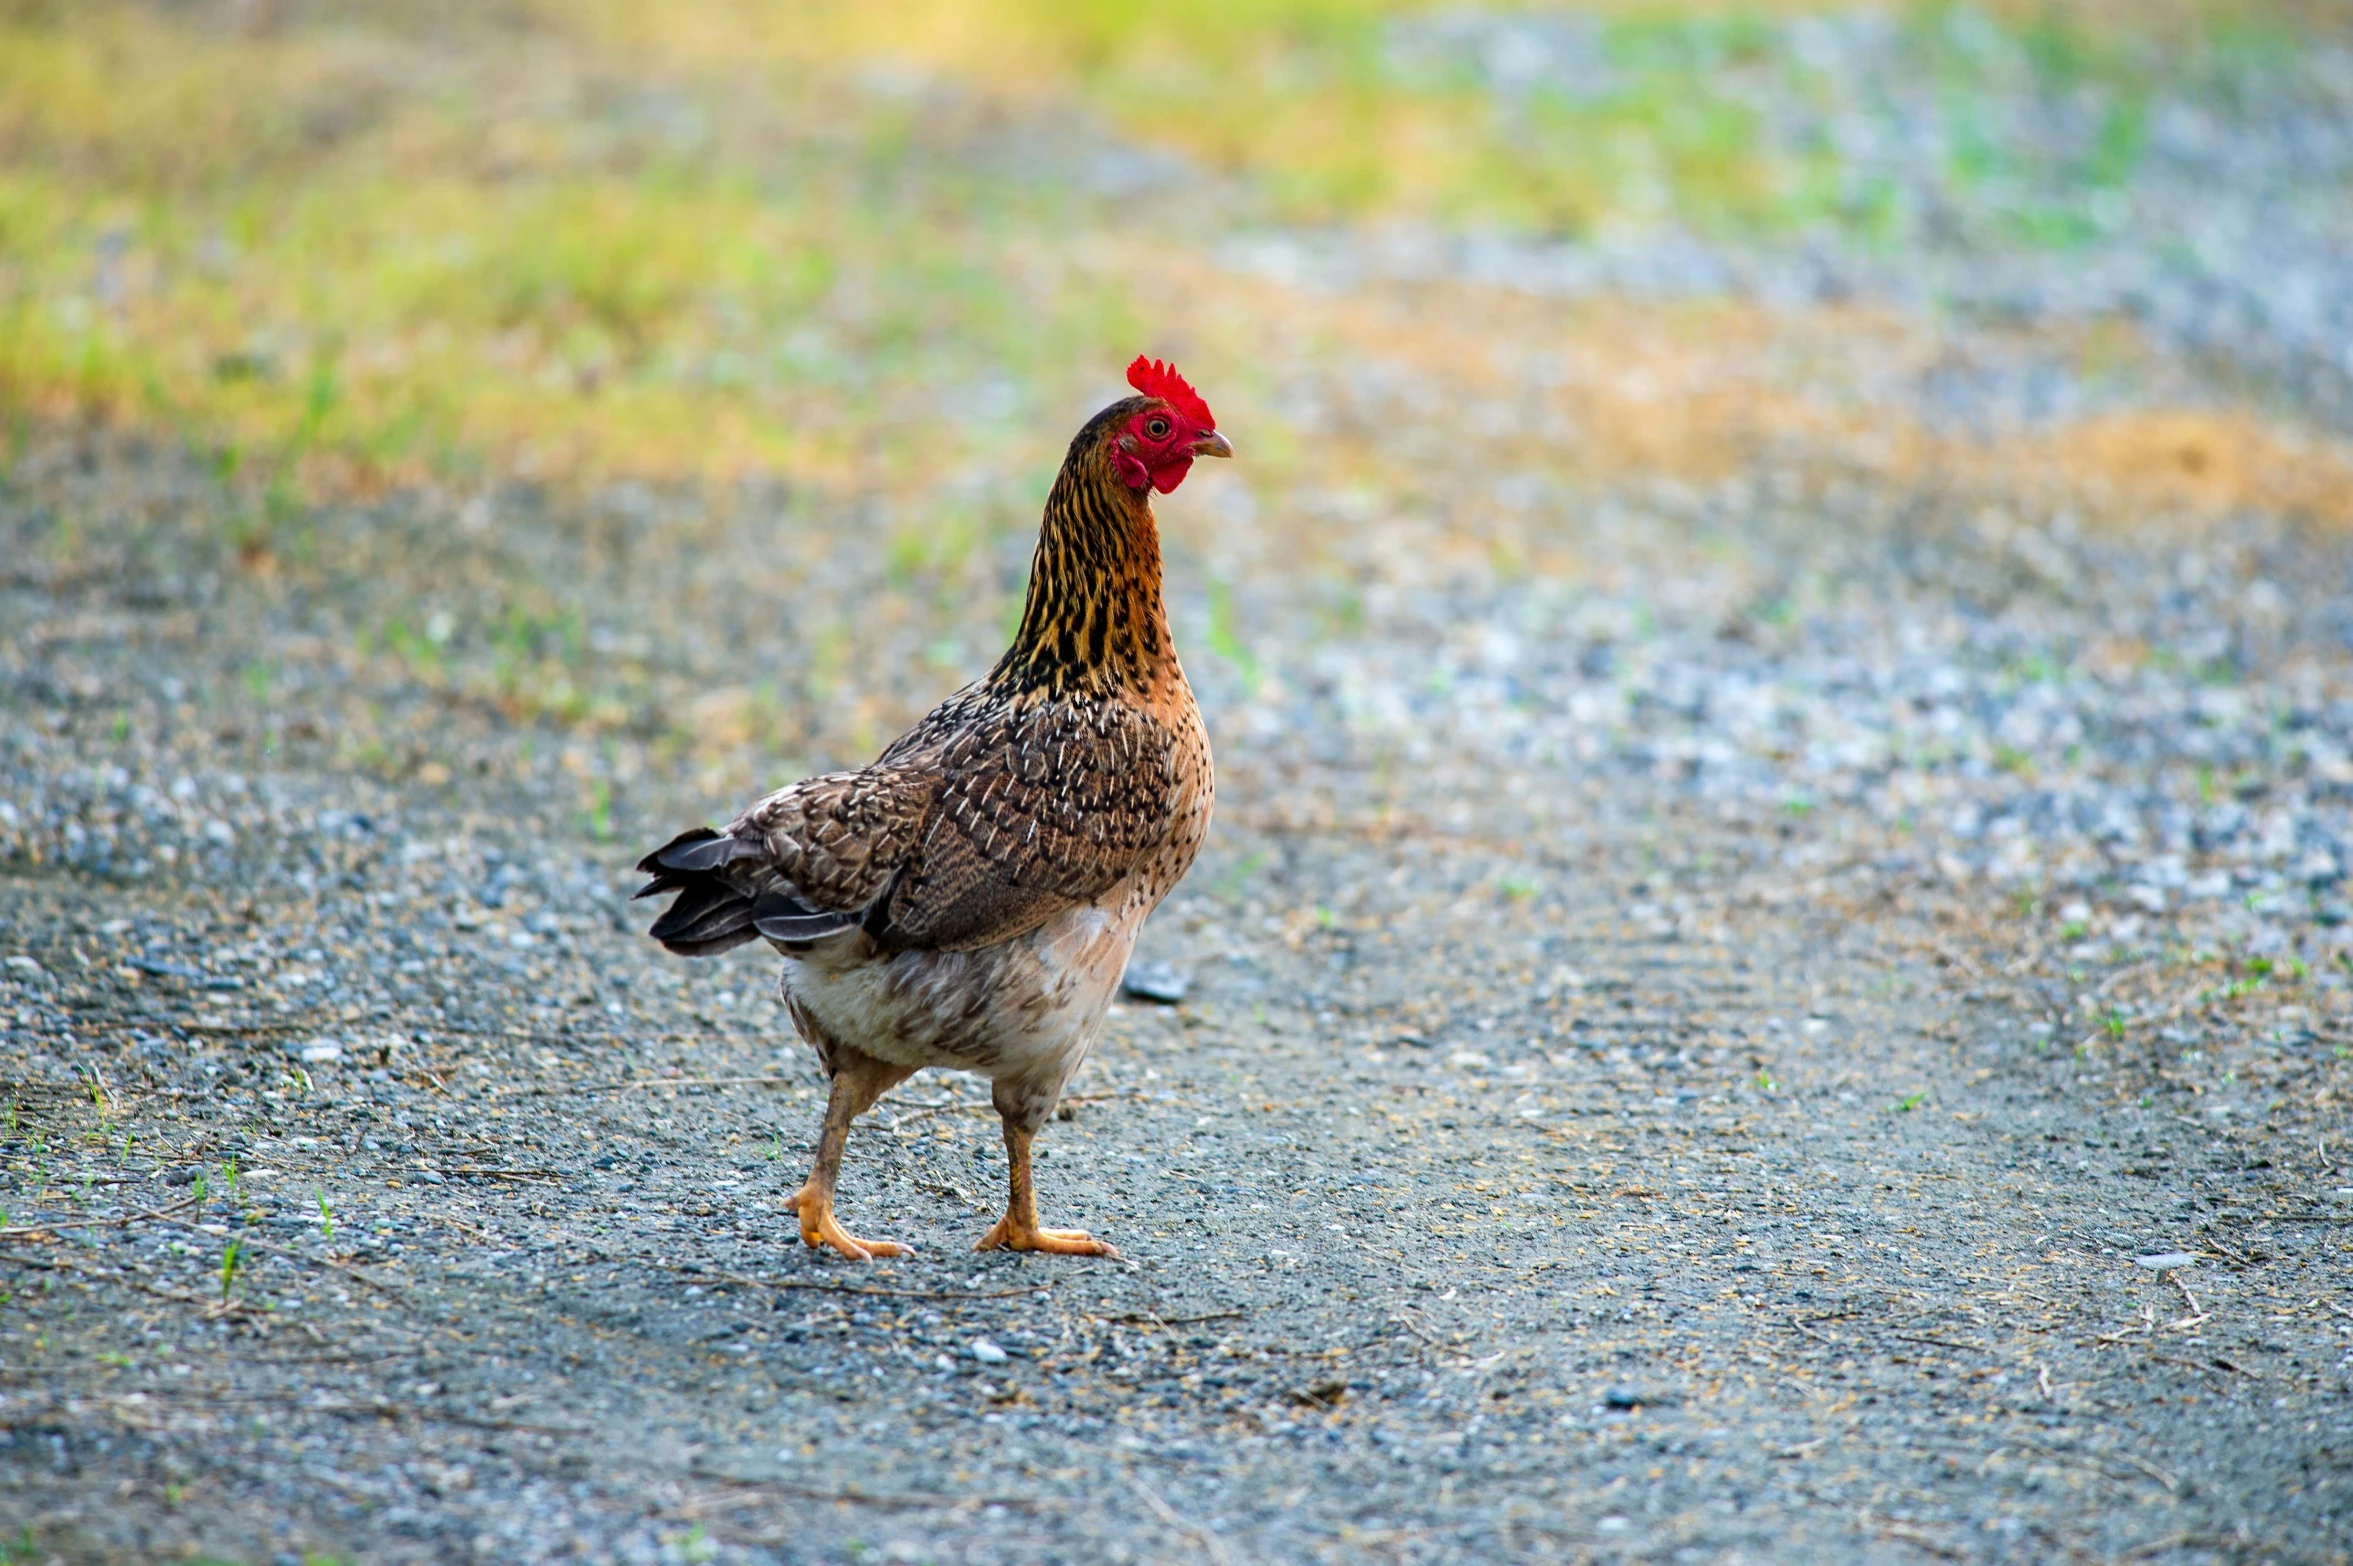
x=1018 y=1230
x=858 y=1080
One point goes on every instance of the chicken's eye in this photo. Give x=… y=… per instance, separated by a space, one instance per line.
x=1157 y=429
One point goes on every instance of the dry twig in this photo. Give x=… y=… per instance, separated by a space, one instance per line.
x=1168 y=1514
x=51 y=1230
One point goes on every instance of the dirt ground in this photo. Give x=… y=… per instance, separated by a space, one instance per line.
x=1773 y=980
x=1552 y=1156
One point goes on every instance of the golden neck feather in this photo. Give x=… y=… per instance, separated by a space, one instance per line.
x=1093 y=622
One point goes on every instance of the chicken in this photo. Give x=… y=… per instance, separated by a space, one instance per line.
x=969 y=900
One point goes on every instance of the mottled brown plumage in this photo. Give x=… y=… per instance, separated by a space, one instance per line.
x=969 y=900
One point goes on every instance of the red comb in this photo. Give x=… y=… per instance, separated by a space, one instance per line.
x=1155 y=379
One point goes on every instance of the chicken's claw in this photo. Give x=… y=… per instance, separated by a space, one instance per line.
x=818 y=1227
x=1007 y=1236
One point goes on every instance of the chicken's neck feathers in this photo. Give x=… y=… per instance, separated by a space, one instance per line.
x=1093 y=623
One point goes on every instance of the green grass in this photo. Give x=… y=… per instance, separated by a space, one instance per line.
x=232 y=1262
x=592 y=237
x=242 y=240
x=1225 y=636
x=1311 y=101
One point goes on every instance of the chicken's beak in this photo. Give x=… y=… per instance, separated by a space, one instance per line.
x=1213 y=445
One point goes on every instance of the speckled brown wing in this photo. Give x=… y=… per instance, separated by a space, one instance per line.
x=1043 y=804
x=835 y=840
x=984 y=821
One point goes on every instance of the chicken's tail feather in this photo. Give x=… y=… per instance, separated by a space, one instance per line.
x=713 y=913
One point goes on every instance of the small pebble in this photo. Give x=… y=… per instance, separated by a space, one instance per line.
x=1158 y=982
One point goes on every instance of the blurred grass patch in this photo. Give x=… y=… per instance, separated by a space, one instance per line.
x=587 y=237
x=1531 y=117
x=349 y=254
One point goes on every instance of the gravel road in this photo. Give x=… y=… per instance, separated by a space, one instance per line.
x=1663 y=1075
x=1797 y=1009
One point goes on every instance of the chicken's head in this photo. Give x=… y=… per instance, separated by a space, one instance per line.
x=1156 y=444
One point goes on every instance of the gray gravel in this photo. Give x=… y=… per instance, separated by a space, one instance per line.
x=1707 y=1041
x=1681 y=1068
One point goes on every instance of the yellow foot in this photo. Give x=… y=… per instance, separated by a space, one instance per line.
x=1007 y=1236
x=818 y=1228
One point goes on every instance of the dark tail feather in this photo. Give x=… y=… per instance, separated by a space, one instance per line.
x=700 y=849
x=783 y=918
x=710 y=915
